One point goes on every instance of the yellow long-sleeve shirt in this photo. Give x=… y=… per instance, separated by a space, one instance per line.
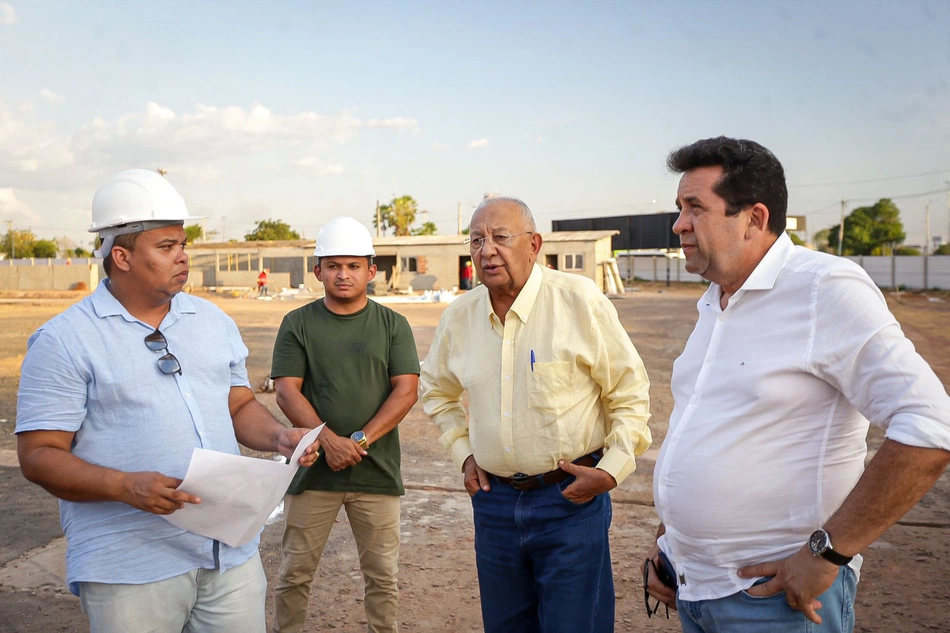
x=558 y=379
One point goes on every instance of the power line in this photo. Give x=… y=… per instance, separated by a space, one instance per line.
x=868 y=180
x=903 y=197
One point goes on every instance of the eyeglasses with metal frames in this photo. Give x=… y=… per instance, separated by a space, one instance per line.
x=500 y=240
x=167 y=364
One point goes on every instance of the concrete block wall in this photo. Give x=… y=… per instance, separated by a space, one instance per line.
x=248 y=279
x=43 y=276
x=440 y=273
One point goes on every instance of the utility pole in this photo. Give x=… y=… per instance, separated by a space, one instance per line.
x=378 y=220
x=927 y=228
x=425 y=217
x=12 y=241
x=947 y=238
x=844 y=201
x=224 y=228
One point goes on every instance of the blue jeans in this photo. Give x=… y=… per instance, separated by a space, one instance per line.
x=742 y=613
x=543 y=561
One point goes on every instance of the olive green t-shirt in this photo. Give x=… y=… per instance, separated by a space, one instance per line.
x=346 y=362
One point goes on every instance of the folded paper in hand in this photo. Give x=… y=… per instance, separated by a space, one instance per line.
x=237 y=493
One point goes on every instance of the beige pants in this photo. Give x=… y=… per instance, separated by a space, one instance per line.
x=309 y=518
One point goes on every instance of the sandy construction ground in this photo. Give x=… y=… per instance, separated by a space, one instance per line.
x=905 y=583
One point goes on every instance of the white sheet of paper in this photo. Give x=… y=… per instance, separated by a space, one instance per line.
x=237 y=493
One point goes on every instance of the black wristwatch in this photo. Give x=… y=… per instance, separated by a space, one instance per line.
x=820 y=545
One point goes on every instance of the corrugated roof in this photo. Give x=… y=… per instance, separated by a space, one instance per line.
x=578 y=236
x=403 y=240
x=436 y=240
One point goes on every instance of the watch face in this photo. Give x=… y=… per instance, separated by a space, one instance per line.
x=818 y=542
x=358 y=436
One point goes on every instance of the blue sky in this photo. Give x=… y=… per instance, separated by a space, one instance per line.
x=307 y=110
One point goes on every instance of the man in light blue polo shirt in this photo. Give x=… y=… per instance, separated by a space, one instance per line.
x=115 y=393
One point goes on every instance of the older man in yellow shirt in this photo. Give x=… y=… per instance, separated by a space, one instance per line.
x=558 y=409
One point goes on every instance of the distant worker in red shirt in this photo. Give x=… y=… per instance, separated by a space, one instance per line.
x=468 y=275
x=262 y=283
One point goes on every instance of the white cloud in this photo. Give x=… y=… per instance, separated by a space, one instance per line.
x=51 y=96
x=440 y=146
x=398 y=122
x=10 y=205
x=314 y=164
x=30 y=147
x=216 y=156
x=25 y=107
x=196 y=174
x=482 y=142
x=7 y=14
x=158 y=136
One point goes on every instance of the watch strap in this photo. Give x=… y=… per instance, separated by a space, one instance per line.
x=834 y=557
x=820 y=545
x=362 y=439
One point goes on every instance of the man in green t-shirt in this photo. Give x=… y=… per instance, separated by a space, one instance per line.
x=352 y=364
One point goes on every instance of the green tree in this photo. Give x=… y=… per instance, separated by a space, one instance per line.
x=399 y=214
x=797 y=241
x=943 y=249
x=873 y=230
x=45 y=248
x=821 y=240
x=272 y=230
x=79 y=251
x=193 y=233
x=429 y=228
x=18 y=244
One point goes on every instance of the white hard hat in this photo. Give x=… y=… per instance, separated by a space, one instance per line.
x=135 y=200
x=136 y=195
x=344 y=236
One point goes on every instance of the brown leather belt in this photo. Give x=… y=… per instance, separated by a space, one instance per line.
x=526 y=483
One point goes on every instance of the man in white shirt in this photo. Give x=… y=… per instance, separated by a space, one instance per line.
x=760 y=485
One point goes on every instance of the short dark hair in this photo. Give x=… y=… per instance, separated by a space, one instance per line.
x=750 y=174
x=126 y=241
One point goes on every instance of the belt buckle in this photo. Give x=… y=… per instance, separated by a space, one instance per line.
x=519 y=479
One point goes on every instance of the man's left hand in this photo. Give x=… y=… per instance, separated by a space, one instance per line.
x=287 y=442
x=589 y=482
x=803 y=576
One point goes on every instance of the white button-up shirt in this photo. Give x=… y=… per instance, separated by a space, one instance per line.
x=772 y=401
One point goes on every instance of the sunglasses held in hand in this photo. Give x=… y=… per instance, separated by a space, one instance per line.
x=666 y=575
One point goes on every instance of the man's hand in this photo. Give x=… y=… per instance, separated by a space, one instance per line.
x=655 y=588
x=803 y=576
x=287 y=443
x=154 y=492
x=475 y=478
x=589 y=482
x=341 y=452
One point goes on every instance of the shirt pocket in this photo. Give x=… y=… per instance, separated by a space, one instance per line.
x=551 y=387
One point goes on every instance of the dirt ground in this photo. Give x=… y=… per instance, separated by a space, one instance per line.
x=905 y=584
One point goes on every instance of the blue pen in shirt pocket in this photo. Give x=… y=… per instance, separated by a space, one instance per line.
x=532 y=361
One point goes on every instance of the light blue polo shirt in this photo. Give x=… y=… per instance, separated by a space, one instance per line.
x=88 y=371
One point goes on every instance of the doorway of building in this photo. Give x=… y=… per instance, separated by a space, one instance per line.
x=550 y=261
x=385 y=265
